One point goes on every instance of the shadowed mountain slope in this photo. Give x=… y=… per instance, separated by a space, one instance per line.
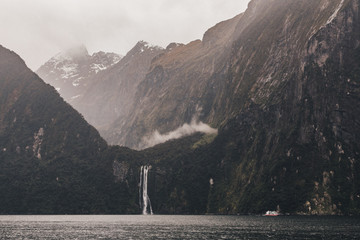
x=50 y=157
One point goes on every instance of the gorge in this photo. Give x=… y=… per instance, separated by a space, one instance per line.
x=276 y=89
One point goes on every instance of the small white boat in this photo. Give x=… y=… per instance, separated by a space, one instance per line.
x=272 y=213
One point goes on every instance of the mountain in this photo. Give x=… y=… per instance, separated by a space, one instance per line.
x=51 y=159
x=68 y=71
x=110 y=94
x=281 y=82
x=294 y=129
x=250 y=57
x=100 y=96
x=181 y=85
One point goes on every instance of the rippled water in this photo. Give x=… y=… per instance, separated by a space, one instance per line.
x=177 y=227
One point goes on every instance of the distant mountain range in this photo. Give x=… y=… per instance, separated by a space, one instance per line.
x=68 y=71
x=103 y=85
x=277 y=88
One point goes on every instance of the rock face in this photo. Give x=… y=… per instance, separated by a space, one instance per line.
x=247 y=59
x=181 y=83
x=68 y=71
x=284 y=93
x=297 y=110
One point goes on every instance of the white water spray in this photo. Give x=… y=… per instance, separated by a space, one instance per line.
x=144 y=200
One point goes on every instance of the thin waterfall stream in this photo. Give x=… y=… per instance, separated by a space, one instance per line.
x=144 y=200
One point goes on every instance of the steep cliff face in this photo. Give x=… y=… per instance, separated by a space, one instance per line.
x=295 y=140
x=50 y=158
x=181 y=83
x=252 y=56
x=287 y=106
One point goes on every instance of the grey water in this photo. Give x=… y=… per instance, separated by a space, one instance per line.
x=176 y=227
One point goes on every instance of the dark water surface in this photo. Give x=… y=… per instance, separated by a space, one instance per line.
x=177 y=227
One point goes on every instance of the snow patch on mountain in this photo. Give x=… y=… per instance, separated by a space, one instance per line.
x=148 y=46
x=75 y=97
x=98 y=67
x=76 y=82
x=101 y=61
x=69 y=71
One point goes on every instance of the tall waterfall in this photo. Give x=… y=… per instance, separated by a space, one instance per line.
x=144 y=200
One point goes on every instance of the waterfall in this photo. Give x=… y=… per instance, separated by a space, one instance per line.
x=144 y=200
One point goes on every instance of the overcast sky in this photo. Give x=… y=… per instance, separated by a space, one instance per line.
x=38 y=29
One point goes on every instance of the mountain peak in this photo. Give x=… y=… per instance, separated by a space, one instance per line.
x=68 y=71
x=79 y=52
x=74 y=53
x=142 y=46
x=173 y=45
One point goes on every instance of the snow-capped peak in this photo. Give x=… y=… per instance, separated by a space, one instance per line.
x=69 y=71
x=101 y=60
x=143 y=45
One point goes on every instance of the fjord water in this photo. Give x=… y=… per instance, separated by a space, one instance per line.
x=177 y=227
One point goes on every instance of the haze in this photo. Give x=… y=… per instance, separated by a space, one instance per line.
x=39 y=29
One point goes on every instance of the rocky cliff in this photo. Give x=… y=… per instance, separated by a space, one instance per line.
x=285 y=96
x=297 y=109
x=252 y=56
x=181 y=84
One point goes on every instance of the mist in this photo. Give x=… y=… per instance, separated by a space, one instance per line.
x=39 y=29
x=185 y=130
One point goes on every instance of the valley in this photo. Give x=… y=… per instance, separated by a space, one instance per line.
x=261 y=113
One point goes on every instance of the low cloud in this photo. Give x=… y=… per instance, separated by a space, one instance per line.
x=39 y=29
x=184 y=130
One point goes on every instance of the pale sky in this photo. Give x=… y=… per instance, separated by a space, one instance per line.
x=38 y=29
